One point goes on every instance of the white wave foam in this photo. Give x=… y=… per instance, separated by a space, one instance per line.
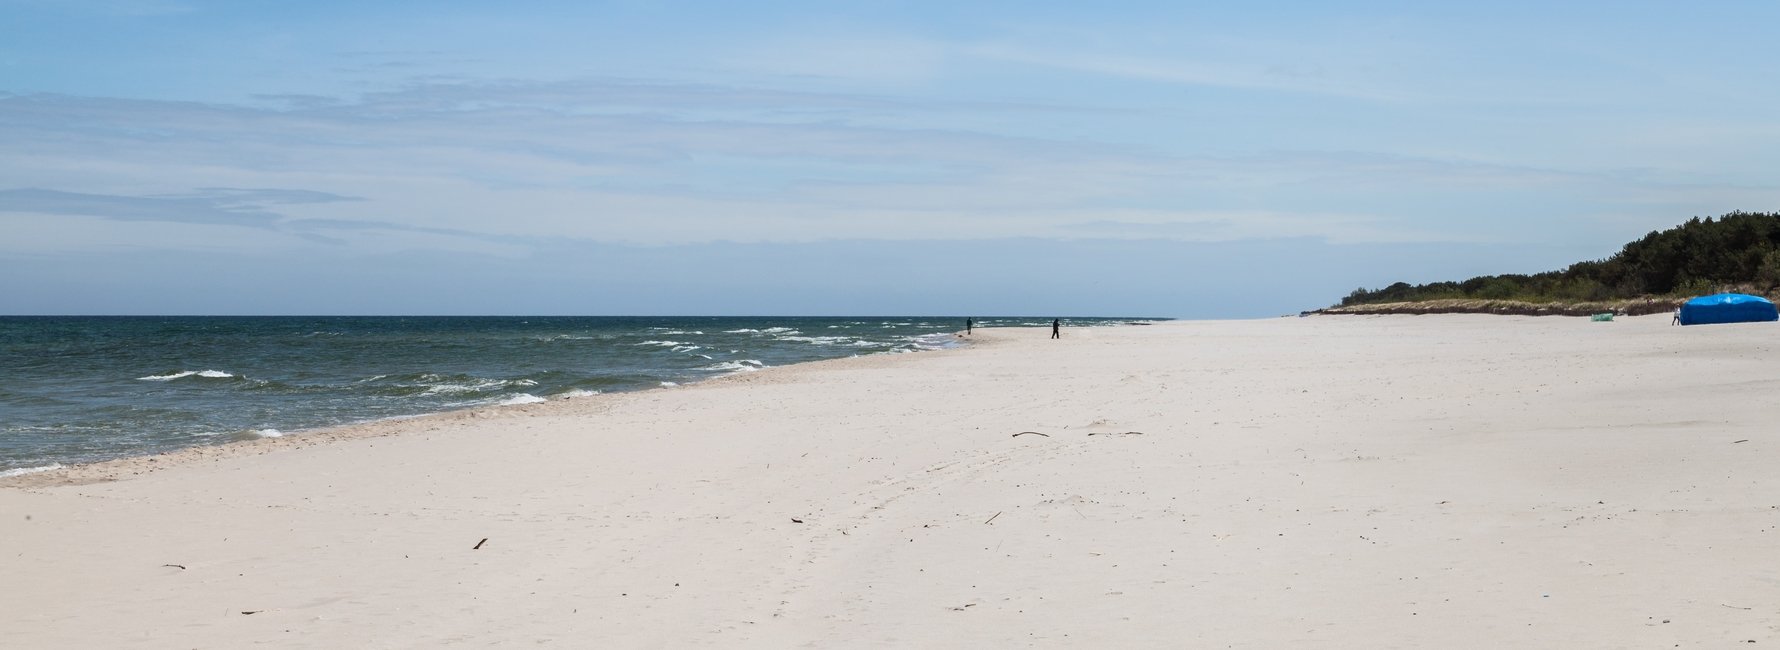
x=742 y=331
x=816 y=340
x=668 y=384
x=477 y=386
x=522 y=398
x=29 y=470
x=577 y=392
x=779 y=330
x=744 y=365
x=267 y=433
x=687 y=348
x=665 y=344
x=209 y=374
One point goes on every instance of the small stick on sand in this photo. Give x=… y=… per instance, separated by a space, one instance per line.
x=997 y=514
x=478 y=545
x=1031 y=432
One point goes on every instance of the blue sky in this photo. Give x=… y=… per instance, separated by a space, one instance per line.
x=1168 y=159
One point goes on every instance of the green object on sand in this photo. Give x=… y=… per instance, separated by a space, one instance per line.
x=1601 y=318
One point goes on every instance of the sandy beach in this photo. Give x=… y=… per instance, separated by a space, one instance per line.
x=1333 y=481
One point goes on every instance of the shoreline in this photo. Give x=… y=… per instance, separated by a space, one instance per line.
x=115 y=469
x=1426 y=482
x=180 y=382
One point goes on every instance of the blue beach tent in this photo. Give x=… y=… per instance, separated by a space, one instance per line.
x=1727 y=308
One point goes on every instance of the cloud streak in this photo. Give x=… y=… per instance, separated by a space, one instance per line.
x=626 y=160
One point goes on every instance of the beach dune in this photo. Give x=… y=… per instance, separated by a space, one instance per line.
x=1389 y=481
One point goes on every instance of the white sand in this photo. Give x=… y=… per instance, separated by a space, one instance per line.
x=1398 y=481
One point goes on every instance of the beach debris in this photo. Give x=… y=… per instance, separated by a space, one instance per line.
x=1031 y=432
x=960 y=609
x=176 y=566
x=1116 y=433
x=796 y=520
x=478 y=545
x=997 y=514
x=1737 y=441
x=251 y=612
x=1734 y=606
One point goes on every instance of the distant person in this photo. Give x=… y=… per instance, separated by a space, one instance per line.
x=968 y=323
x=1056 y=328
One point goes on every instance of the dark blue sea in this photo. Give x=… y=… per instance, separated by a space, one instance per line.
x=83 y=389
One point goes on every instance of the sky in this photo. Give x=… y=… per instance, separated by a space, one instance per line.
x=1166 y=159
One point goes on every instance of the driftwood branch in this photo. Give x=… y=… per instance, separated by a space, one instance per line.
x=1031 y=432
x=997 y=514
x=478 y=545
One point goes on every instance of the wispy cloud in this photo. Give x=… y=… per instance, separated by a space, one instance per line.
x=625 y=160
x=237 y=208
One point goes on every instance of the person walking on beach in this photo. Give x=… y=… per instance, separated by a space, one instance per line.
x=1056 y=328
x=967 y=325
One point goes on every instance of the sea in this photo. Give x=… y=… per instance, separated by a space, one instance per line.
x=79 y=389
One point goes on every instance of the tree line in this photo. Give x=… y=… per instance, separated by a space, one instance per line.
x=1697 y=257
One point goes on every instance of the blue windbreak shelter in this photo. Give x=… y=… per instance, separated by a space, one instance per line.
x=1727 y=308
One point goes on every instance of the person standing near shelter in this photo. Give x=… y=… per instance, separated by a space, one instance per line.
x=1056 y=328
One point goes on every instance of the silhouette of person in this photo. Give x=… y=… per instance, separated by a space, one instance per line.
x=1056 y=328
x=967 y=325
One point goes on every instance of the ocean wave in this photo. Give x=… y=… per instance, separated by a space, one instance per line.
x=742 y=331
x=248 y=434
x=778 y=330
x=687 y=348
x=474 y=385
x=665 y=344
x=470 y=387
x=576 y=392
x=744 y=365
x=815 y=340
x=522 y=398
x=29 y=470
x=207 y=374
x=668 y=384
